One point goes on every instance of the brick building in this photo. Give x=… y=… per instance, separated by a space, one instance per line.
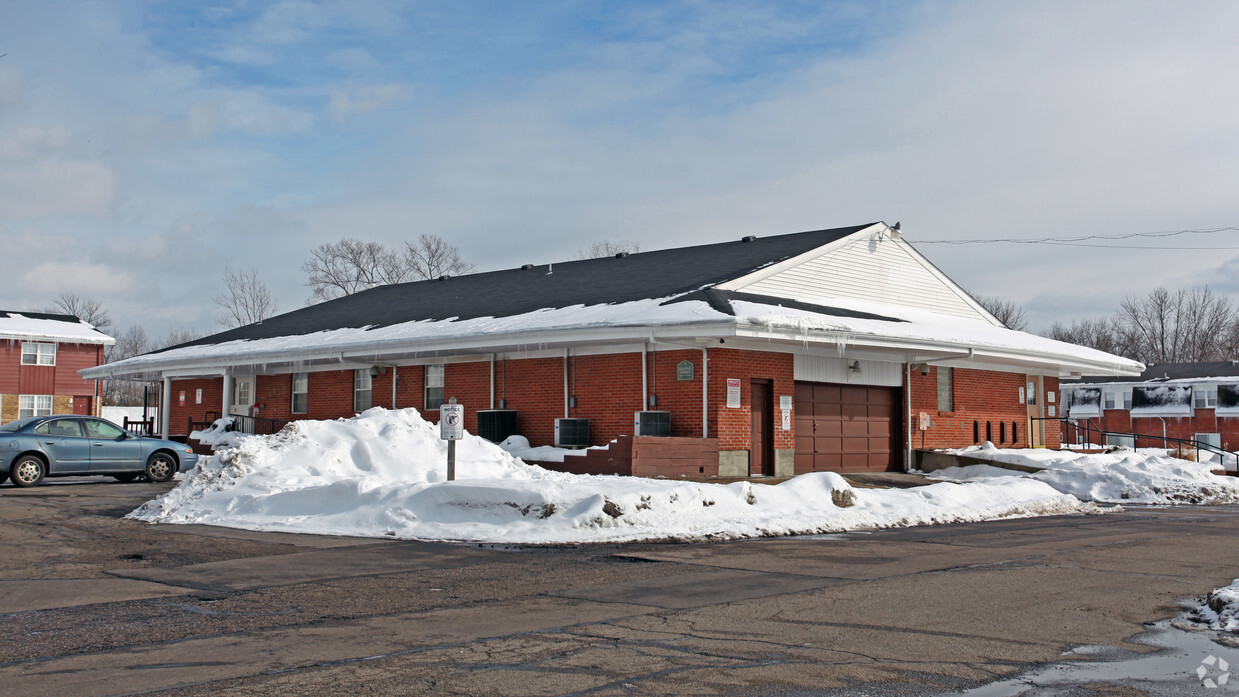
x=40 y=356
x=1186 y=401
x=834 y=349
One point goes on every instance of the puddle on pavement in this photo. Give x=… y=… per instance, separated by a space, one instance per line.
x=1188 y=663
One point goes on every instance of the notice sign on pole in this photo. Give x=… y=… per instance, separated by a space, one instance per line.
x=733 y=393
x=452 y=421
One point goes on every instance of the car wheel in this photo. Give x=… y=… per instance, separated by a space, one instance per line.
x=126 y=477
x=28 y=471
x=160 y=467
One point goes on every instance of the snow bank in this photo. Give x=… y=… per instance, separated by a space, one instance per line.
x=382 y=473
x=1121 y=476
x=217 y=435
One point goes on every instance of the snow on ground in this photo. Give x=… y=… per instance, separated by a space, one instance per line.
x=518 y=446
x=1121 y=476
x=382 y=474
x=1219 y=609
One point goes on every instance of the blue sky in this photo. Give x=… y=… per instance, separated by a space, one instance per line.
x=145 y=146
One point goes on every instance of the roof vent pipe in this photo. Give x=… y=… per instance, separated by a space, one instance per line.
x=748 y=238
x=526 y=267
x=621 y=255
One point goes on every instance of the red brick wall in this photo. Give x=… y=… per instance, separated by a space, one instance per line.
x=212 y=399
x=733 y=427
x=981 y=397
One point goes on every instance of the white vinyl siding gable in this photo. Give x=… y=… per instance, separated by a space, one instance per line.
x=888 y=272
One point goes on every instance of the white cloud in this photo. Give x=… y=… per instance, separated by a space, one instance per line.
x=346 y=102
x=56 y=187
x=91 y=280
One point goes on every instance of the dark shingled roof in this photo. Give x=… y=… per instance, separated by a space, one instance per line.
x=608 y=280
x=1170 y=371
x=41 y=315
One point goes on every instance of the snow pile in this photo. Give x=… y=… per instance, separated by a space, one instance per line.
x=219 y=435
x=382 y=473
x=518 y=446
x=1220 y=609
x=1121 y=476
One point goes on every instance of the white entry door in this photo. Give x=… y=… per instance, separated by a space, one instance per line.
x=242 y=396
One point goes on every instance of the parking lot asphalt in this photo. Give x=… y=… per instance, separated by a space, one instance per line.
x=95 y=604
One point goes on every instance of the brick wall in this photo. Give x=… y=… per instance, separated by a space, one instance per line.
x=733 y=427
x=987 y=407
x=212 y=398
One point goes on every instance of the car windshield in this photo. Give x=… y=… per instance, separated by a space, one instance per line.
x=18 y=424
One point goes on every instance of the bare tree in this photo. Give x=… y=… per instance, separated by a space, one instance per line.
x=1006 y=311
x=131 y=342
x=88 y=310
x=1187 y=325
x=245 y=300
x=431 y=257
x=350 y=265
x=607 y=248
x=176 y=337
x=1100 y=334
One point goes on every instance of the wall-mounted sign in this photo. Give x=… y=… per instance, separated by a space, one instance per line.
x=785 y=402
x=787 y=419
x=1051 y=408
x=733 y=393
x=1021 y=395
x=1049 y=397
x=181 y=398
x=684 y=370
x=198 y=396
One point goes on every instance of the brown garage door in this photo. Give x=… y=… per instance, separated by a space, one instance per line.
x=846 y=428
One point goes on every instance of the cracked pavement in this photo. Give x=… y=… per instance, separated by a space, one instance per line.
x=96 y=605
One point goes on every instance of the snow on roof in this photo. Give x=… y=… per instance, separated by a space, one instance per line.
x=1161 y=400
x=40 y=326
x=898 y=327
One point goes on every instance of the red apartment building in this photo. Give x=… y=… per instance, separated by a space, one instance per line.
x=840 y=349
x=40 y=356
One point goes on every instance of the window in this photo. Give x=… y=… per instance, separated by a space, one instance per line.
x=60 y=427
x=103 y=429
x=38 y=353
x=1214 y=439
x=434 y=386
x=1127 y=399
x=301 y=392
x=1109 y=400
x=946 y=390
x=1204 y=396
x=361 y=390
x=34 y=405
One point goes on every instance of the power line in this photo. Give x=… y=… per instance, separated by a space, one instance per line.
x=1075 y=241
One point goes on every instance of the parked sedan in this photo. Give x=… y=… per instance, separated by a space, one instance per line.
x=73 y=446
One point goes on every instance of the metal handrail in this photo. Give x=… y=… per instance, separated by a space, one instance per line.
x=256 y=425
x=1089 y=429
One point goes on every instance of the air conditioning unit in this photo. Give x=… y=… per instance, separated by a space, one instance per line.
x=571 y=433
x=495 y=425
x=652 y=423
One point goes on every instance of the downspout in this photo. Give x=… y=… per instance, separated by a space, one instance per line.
x=566 y=414
x=908 y=421
x=165 y=408
x=645 y=384
x=492 y=381
x=705 y=384
x=394 y=370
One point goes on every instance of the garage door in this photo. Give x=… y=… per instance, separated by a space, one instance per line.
x=846 y=428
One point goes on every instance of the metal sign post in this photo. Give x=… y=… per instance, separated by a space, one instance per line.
x=451 y=429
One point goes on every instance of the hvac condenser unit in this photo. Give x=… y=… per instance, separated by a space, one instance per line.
x=495 y=425
x=571 y=433
x=652 y=423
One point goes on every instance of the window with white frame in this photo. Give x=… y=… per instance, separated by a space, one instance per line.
x=34 y=405
x=362 y=389
x=38 y=353
x=434 y=386
x=1127 y=399
x=301 y=392
x=1204 y=396
x=1214 y=439
x=1108 y=400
